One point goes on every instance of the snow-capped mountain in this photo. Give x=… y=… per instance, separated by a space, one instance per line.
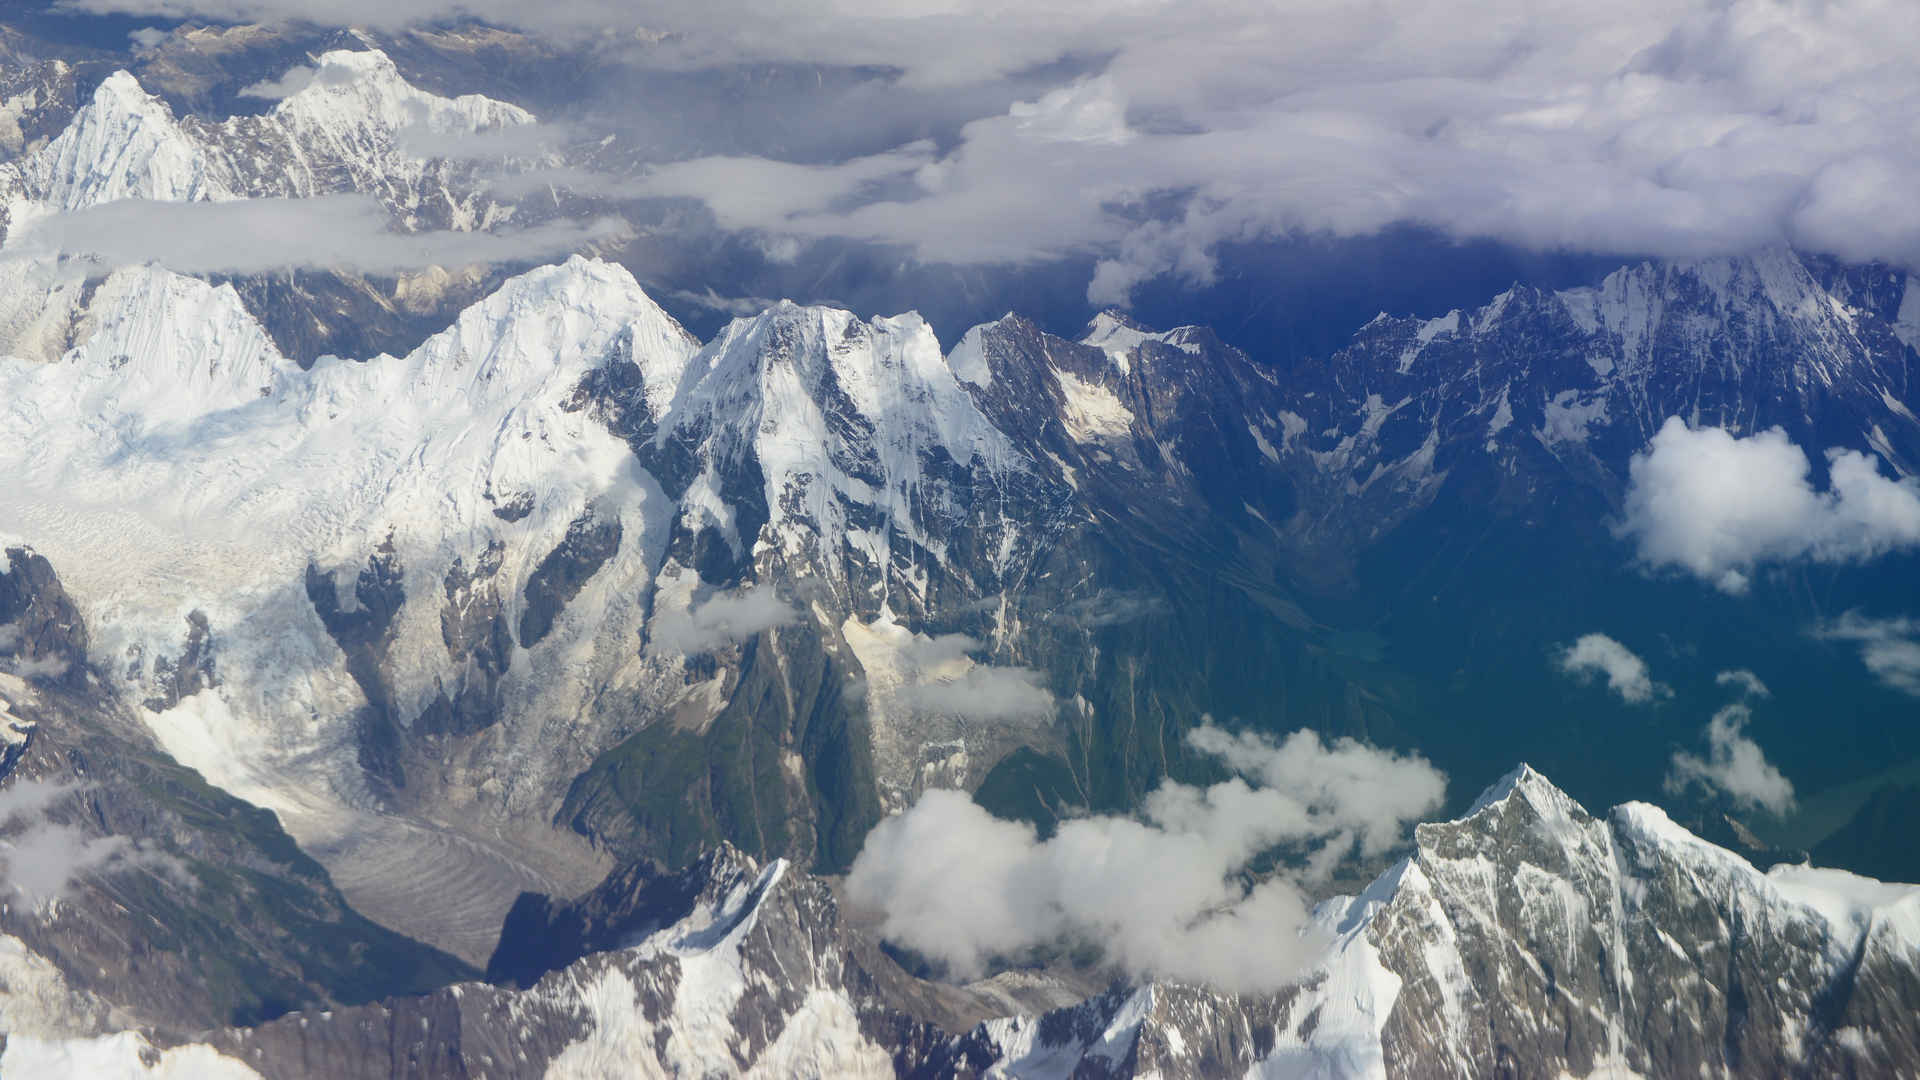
x=562 y=590
x=1526 y=938
x=346 y=132
x=1543 y=386
x=559 y=549
x=341 y=132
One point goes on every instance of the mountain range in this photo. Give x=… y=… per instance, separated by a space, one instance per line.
x=550 y=642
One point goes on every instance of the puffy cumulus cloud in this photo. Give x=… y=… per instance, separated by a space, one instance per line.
x=1597 y=655
x=1164 y=893
x=721 y=618
x=1650 y=127
x=1734 y=766
x=1745 y=682
x=1719 y=505
x=251 y=236
x=1889 y=647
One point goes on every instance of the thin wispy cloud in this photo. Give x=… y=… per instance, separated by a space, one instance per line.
x=1734 y=766
x=249 y=236
x=1889 y=647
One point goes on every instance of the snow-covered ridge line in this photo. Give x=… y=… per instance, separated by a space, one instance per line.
x=340 y=132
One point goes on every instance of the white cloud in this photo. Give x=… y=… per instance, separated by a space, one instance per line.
x=250 y=236
x=1746 y=682
x=938 y=674
x=987 y=692
x=755 y=193
x=1734 y=765
x=1162 y=894
x=722 y=618
x=1889 y=647
x=1718 y=505
x=1685 y=126
x=1597 y=654
x=295 y=80
x=942 y=677
x=38 y=667
x=42 y=859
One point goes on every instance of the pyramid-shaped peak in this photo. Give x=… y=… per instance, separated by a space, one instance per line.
x=1528 y=783
x=122 y=92
x=124 y=144
x=566 y=314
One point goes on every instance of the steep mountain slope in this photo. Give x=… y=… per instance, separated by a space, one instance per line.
x=1542 y=386
x=1527 y=938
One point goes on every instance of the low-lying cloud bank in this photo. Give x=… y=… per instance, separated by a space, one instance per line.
x=1719 y=506
x=251 y=236
x=1734 y=765
x=42 y=859
x=1163 y=894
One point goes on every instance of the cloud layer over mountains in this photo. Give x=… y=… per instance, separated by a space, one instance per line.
x=1643 y=127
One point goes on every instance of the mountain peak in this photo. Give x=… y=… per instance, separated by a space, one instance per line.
x=124 y=144
x=361 y=88
x=557 y=321
x=1523 y=779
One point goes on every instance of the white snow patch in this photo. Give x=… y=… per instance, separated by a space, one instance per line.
x=1091 y=411
x=1425 y=335
x=1266 y=448
x=1906 y=323
x=116 y=1057
x=1569 y=415
x=969 y=360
